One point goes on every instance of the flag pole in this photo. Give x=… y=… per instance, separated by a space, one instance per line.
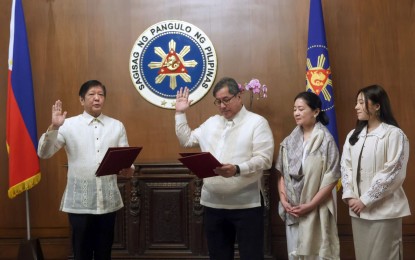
x=29 y=249
x=27 y=215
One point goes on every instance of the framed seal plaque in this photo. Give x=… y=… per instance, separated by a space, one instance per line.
x=169 y=55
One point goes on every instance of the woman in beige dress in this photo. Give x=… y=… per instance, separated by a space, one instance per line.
x=308 y=166
x=373 y=167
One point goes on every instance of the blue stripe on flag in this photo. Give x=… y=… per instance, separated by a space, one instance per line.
x=22 y=74
x=318 y=65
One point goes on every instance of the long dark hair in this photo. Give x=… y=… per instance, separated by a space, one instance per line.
x=314 y=102
x=377 y=95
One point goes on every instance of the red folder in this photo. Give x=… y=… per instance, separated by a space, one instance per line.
x=201 y=164
x=116 y=159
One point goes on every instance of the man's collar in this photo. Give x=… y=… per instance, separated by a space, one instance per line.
x=238 y=117
x=89 y=118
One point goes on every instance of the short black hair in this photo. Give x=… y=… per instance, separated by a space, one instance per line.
x=89 y=84
x=226 y=82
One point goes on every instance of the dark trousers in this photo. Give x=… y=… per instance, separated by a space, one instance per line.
x=224 y=226
x=92 y=235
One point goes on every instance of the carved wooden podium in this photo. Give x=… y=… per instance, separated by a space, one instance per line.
x=162 y=217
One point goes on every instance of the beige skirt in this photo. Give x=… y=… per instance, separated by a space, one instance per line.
x=292 y=239
x=377 y=239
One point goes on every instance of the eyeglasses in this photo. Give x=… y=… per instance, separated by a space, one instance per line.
x=224 y=101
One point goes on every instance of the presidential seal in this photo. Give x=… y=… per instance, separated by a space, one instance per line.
x=169 y=55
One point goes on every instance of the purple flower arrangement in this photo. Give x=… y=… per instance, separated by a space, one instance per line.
x=255 y=88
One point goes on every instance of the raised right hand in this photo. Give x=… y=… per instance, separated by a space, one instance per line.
x=182 y=100
x=58 y=117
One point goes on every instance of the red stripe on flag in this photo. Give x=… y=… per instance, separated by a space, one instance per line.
x=24 y=170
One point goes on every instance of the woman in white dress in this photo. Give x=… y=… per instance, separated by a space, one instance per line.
x=308 y=166
x=373 y=167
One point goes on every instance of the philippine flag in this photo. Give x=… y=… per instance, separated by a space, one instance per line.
x=21 y=132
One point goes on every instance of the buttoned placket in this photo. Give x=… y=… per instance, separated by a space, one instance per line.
x=221 y=144
x=359 y=167
x=97 y=129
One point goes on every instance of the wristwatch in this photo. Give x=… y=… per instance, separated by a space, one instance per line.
x=238 y=171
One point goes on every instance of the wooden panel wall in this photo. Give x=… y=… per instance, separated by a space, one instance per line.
x=73 y=41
